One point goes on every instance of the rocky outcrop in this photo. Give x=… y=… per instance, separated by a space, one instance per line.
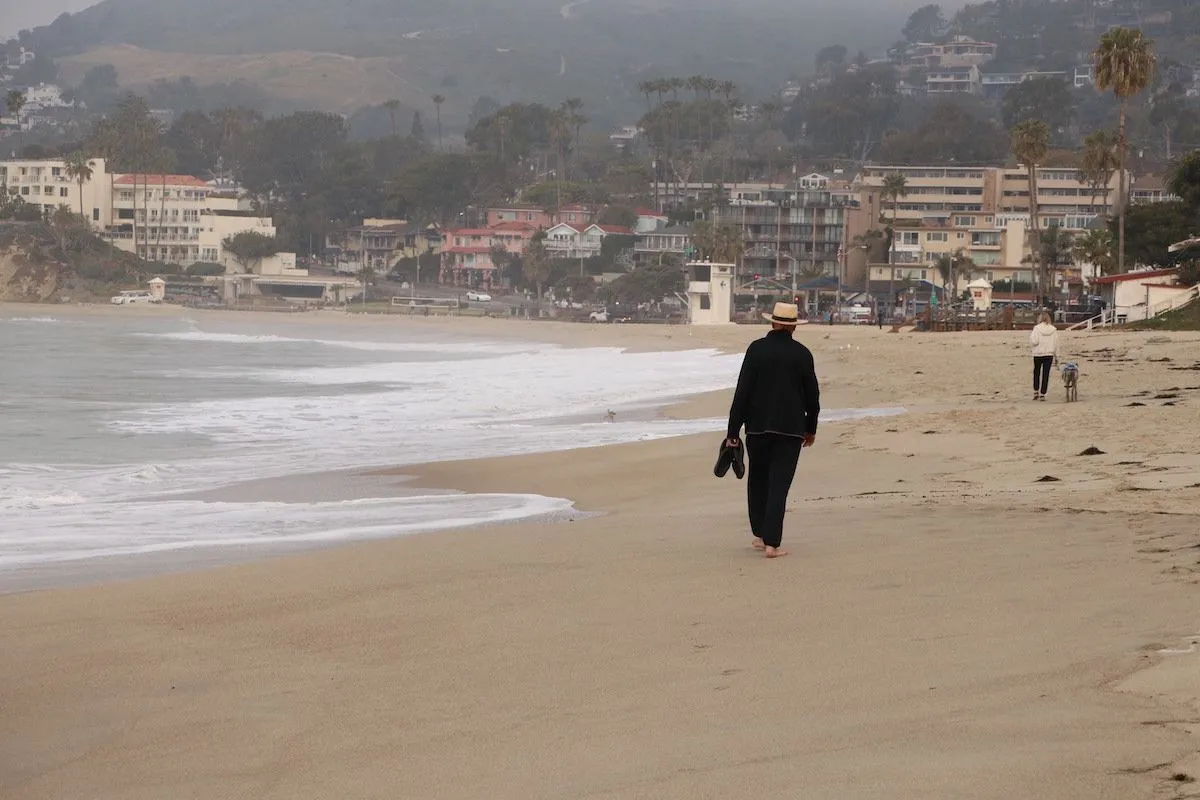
x=28 y=271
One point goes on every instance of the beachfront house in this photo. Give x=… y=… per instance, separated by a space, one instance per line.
x=1131 y=295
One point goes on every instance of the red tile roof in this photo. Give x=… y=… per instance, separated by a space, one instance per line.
x=152 y=180
x=1133 y=276
x=615 y=229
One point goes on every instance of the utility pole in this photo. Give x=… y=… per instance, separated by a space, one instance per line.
x=779 y=241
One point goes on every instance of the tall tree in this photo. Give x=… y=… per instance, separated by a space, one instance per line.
x=536 y=266
x=1096 y=248
x=722 y=244
x=1030 y=143
x=1123 y=63
x=392 y=107
x=1098 y=164
x=895 y=186
x=926 y=24
x=438 y=99
x=79 y=169
x=573 y=107
x=1047 y=99
x=954 y=267
x=14 y=101
x=1184 y=180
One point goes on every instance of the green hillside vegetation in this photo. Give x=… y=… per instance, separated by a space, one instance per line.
x=530 y=51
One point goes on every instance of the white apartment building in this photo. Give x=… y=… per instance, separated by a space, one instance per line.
x=974 y=196
x=42 y=97
x=954 y=80
x=568 y=241
x=960 y=51
x=45 y=183
x=179 y=219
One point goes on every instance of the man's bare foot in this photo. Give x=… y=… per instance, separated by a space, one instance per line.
x=775 y=552
x=758 y=544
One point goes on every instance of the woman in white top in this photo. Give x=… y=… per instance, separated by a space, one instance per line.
x=1044 y=339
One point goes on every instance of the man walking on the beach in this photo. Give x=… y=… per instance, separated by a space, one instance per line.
x=778 y=401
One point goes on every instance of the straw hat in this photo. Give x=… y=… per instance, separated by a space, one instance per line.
x=784 y=314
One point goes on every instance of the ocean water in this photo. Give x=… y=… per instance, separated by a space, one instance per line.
x=112 y=430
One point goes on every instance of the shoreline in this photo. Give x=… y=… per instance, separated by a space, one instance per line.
x=941 y=598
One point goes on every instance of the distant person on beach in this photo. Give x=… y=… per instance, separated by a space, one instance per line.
x=1044 y=340
x=777 y=401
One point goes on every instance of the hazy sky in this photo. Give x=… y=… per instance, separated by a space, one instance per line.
x=18 y=14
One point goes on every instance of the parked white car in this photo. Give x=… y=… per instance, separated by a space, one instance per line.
x=598 y=316
x=478 y=297
x=132 y=298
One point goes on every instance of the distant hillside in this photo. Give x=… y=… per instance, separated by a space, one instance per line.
x=519 y=50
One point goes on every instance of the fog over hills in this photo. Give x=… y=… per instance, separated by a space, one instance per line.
x=531 y=50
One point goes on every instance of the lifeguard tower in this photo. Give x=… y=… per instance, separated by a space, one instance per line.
x=710 y=293
x=981 y=294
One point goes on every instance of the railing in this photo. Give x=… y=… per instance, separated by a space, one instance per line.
x=1174 y=302
x=1102 y=320
x=1113 y=316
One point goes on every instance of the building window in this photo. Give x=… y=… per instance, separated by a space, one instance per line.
x=938 y=236
x=964 y=222
x=705 y=302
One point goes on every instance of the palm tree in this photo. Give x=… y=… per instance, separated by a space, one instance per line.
x=953 y=267
x=573 y=108
x=392 y=107
x=437 y=103
x=727 y=90
x=1123 y=63
x=560 y=138
x=1098 y=163
x=1030 y=142
x=771 y=110
x=536 y=267
x=15 y=101
x=1095 y=248
x=1056 y=249
x=79 y=169
x=895 y=186
x=647 y=89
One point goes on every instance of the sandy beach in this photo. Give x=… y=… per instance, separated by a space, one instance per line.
x=972 y=609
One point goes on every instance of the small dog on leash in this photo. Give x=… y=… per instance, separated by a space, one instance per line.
x=1070 y=376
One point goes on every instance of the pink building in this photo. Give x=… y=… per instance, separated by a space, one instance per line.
x=467 y=253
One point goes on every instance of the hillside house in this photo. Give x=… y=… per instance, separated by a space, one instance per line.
x=568 y=241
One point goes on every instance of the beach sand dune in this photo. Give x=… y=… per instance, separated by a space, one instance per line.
x=948 y=625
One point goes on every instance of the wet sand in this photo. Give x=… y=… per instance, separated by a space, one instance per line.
x=948 y=624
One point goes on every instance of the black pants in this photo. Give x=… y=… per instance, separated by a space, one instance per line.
x=772 y=466
x=1041 y=373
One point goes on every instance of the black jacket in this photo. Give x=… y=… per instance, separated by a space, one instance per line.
x=777 y=389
